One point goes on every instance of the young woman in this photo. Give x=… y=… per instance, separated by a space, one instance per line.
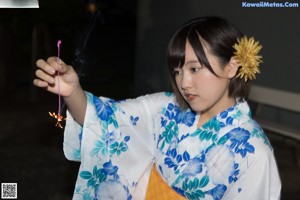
x=199 y=142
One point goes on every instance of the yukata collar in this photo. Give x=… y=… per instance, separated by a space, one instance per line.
x=241 y=106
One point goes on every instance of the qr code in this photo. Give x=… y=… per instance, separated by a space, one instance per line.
x=8 y=190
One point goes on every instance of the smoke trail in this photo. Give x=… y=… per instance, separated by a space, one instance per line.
x=81 y=60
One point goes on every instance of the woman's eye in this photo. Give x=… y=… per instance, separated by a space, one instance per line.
x=195 y=69
x=176 y=72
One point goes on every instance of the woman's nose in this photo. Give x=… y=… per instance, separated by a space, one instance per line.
x=185 y=81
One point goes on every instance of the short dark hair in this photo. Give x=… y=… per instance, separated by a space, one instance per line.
x=220 y=35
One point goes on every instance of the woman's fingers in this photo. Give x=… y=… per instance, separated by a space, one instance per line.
x=40 y=83
x=45 y=85
x=58 y=64
x=52 y=65
x=44 y=76
x=43 y=65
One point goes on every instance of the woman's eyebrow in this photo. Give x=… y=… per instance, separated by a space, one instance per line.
x=192 y=62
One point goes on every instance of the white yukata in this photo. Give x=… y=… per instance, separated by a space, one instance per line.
x=228 y=158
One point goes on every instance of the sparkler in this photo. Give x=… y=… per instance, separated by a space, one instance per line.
x=58 y=116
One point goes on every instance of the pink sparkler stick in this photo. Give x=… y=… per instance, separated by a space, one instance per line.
x=57 y=116
x=58 y=80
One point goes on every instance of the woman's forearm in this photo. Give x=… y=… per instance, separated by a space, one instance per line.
x=76 y=104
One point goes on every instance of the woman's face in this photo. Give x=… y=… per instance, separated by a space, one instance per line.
x=204 y=91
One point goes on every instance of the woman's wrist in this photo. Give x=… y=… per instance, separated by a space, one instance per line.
x=77 y=91
x=76 y=103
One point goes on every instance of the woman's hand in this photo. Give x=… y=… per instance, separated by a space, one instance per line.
x=47 y=77
x=69 y=86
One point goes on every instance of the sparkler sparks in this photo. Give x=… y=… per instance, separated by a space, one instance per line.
x=59 y=119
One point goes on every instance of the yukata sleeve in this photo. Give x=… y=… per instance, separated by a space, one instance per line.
x=72 y=138
x=137 y=114
x=116 y=143
x=260 y=179
x=77 y=136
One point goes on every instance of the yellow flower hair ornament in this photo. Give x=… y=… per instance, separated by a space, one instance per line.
x=247 y=55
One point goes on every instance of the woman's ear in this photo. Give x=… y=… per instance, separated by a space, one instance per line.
x=232 y=67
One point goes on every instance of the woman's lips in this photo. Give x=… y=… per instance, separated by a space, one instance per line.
x=190 y=97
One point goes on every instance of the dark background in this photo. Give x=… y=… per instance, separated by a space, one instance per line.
x=123 y=57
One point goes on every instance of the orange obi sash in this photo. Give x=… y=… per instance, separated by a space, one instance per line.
x=158 y=189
